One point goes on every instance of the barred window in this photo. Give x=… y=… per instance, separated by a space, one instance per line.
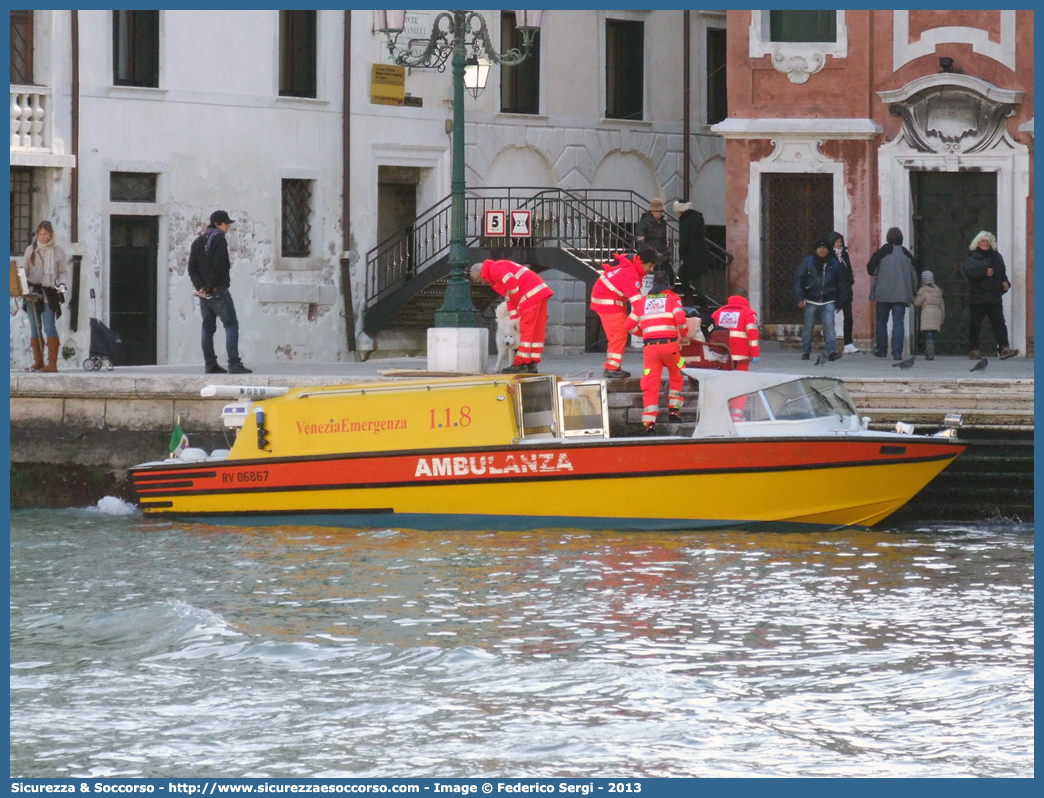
x=297 y=53
x=297 y=208
x=22 y=229
x=135 y=48
x=21 y=48
x=132 y=187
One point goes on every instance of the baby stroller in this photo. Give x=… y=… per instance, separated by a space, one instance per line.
x=105 y=346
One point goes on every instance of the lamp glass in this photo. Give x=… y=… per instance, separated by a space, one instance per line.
x=391 y=21
x=476 y=72
x=528 y=19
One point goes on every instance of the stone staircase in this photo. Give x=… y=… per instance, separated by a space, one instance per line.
x=982 y=402
x=625 y=410
x=992 y=480
x=585 y=226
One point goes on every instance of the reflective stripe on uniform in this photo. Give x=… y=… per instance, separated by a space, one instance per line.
x=605 y=281
x=652 y=331
x=531 y=292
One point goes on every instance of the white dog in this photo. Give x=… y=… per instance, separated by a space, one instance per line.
x=508 y=336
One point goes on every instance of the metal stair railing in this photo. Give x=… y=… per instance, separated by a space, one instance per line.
x=590 y=224
x=591 y=232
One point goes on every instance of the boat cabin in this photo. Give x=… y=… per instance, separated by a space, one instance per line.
x=461 y=412
x=395 y=416
x=758 y=404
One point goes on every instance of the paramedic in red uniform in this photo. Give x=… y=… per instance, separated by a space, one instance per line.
x=742 y=324
x=662 y=322
x=526 y=295
x=619 y=284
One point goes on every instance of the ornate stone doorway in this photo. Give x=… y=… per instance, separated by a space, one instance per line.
x=955 y=125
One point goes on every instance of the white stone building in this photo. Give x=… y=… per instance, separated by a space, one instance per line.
x=130 y=127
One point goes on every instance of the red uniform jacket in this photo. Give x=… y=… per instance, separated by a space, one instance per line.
x=516 y=283
x=620 y=283
x=658 y=315
x=742 y=324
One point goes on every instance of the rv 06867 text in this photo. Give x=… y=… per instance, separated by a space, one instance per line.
x=246 y=476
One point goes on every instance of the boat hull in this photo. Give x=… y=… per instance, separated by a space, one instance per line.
x=673 y=484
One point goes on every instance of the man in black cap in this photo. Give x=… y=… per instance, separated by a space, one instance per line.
x=816 y=287
x=209 y=269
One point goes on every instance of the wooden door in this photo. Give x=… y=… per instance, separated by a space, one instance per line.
x=132 y=286
x=796 y=210
x=949 y=209
x=397 y=209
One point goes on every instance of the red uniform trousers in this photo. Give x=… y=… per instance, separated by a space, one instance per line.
x=739 y=404
x=532 y=326
x=615 y=326
x=657 y=358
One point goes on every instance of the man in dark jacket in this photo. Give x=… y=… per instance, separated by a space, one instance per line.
x=894 y=290
x=816 y=288
x=209 y=269
x=987 y=283
x=652 y=231
x=692 y=248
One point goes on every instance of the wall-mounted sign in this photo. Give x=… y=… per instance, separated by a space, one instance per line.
x=387 y=84
x=521 y=224
x=418 y=26
x=496 y=224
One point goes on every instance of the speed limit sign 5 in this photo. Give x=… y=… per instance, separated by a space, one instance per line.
x=496 y=223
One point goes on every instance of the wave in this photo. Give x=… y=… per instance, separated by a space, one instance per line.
x=111 y=505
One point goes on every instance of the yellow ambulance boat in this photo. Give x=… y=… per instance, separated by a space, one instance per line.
x=534 y=451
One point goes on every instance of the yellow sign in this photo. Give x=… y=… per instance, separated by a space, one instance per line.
x=388 y=84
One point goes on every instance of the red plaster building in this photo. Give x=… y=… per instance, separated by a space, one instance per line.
x=858 y=121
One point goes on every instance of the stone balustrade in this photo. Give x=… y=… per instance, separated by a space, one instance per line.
x=30 y=118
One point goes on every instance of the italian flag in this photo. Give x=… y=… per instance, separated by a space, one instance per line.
x=179 y=440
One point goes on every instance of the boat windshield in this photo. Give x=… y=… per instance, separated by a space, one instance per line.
x=797 y=400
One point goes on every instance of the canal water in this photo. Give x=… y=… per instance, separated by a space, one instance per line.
x=145 y=648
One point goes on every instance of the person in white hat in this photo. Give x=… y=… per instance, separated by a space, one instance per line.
x=693 y=254
x=987 y=284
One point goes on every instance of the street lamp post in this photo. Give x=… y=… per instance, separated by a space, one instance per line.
x=453 y=35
